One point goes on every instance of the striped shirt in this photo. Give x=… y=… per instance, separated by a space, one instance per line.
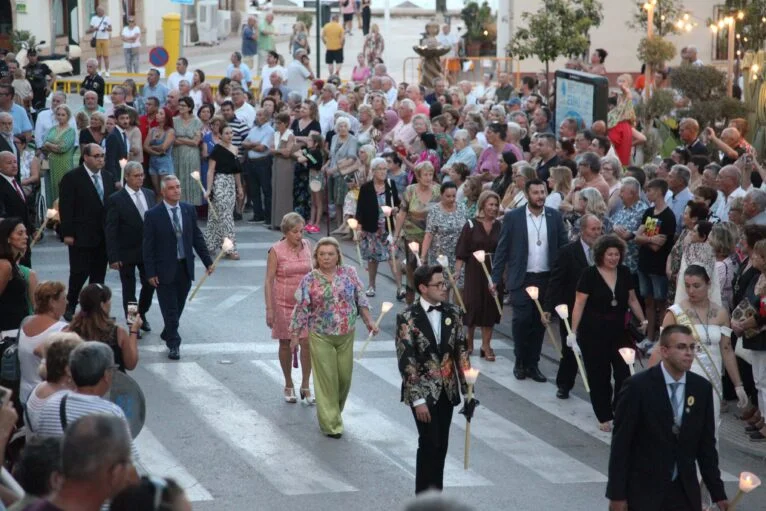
x=239 y=131
x=76 y=406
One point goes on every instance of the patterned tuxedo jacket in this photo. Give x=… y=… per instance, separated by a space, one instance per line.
x=430 y=367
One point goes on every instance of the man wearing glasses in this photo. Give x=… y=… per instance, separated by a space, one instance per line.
x=431 y=347
x=83 y=194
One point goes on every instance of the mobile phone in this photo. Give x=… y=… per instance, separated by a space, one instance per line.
x=132 y=312
x=5 y=395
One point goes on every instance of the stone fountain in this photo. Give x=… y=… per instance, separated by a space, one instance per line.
x=431 y=52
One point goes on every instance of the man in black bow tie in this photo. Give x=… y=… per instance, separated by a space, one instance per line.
x=431 y=348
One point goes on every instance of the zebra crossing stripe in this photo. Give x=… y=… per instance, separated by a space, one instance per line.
x=372 y=428
x=272 y=453
x=574 y=410
x=507 y=438
x=158 y=461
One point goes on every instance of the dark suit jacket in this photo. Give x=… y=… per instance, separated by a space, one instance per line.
x=11 y=205
x=367 y=210
x=513 y=245
x=5 y=146
x=115 y=151
x=428 y=367
x=83 y=215
x=125 y=227
x=160 y=245
x=645 y=450
x=565 y=274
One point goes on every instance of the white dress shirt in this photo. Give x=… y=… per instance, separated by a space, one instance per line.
x=139 y=200
x=537 y=255
x=175 y=78
x=588 y=253
x=680 y=393
x=246 y=114
x=725 y=205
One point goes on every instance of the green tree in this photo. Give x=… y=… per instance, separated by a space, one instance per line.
x=559 y=28
x=752 y=27
x=666 y=14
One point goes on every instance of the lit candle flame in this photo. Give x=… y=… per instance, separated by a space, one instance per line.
x=628 y=355
x=227 y=245
x=480 y=255
x=533 y=292
x=386 y=306
x=195 y=175
x=353 y=223
x=748 y=482
x=386 y=210
x=562 y=310
x=471 y=375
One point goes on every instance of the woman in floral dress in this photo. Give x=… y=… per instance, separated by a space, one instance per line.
x=444 y=223
x=186 y=153
x=373 y=46
x=329 y=299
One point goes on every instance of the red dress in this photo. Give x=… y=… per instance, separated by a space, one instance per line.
x=292 y=266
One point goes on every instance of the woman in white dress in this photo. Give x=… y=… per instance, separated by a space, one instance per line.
x=697 y=307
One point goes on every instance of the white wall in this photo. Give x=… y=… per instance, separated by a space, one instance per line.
x=37 y=19
x=152 y=22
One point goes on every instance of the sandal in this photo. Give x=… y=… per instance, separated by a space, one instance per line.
x=370 y=292
x=606 y=427
x=234 y=256
x=290 y=395
x=306 y=395
x=489 y=354
x=400 y=294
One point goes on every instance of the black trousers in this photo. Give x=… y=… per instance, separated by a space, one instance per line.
x=85 y=264
x=172 y=298
x=433 y=440
x=258 y=178
x=526 y=325
x=366 y=14
x=601 y=359
x=567 y=373
x=675 y=498
x=128 y=280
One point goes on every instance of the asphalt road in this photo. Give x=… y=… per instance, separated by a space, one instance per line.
x=216 y=420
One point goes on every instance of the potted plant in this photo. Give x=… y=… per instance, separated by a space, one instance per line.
x=478 y=22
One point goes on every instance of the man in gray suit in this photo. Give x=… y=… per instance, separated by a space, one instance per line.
x=528 y=248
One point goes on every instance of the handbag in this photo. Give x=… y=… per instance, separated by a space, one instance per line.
x=93 y=39
x=743 y=311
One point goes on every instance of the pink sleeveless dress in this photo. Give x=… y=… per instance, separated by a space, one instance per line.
x=291 y=268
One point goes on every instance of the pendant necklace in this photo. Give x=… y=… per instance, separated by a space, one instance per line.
x=704 y=324
x=613 y=303
x=537 y=227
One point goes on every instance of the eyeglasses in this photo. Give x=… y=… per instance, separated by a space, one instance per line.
x=442 y=284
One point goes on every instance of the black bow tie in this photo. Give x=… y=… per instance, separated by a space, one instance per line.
x=439 y=308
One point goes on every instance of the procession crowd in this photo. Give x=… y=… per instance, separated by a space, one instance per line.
x=468 y=192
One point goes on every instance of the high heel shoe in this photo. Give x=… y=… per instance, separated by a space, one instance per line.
x=306 y=395
x=752 y=428
x=290 y=395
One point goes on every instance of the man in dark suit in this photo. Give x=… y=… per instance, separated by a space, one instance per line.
x=125 y=238
x=82 y=195
x=431 y=347
x=663 y=429
x=170 y=235
x=13 y=203
x=117 y=143
x=529 y=246
x=562 y=287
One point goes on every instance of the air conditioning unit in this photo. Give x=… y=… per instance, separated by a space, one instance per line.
x=207 y=21
x=224 y=24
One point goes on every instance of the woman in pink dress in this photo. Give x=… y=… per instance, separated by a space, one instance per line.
x=289 y=261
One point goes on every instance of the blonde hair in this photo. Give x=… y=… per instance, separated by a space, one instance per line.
x=760 y=249
x=327 y=240
x=66 y=109
x=562 y=179
x=484 y=197
x=594 y=201
x=101 y=117
x=290 y=221
x=423 y=165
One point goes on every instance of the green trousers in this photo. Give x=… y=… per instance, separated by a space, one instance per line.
x=332 y=360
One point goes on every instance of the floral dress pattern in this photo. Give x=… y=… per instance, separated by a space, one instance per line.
x=328 y=307
x=445 y=227
x=375 y=245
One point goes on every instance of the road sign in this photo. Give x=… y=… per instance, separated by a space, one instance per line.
x=127 y=394
x=158 y=56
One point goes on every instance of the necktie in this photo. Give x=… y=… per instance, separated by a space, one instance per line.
x=179 y=233
x=99 y=187
x=439 y=308
x=18 y=190
x=139 y=204
x=675 y=401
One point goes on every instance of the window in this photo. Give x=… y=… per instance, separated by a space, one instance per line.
x=59 y=20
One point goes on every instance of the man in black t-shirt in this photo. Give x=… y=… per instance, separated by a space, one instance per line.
x=37 y=73
x=655 y=239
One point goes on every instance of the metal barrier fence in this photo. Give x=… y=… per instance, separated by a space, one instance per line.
x=72 y=85
x=471 y=68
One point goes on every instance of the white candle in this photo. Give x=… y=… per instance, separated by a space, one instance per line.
x=563 y=311
x=748 y=482
x=471 y=375
x=533 y=292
